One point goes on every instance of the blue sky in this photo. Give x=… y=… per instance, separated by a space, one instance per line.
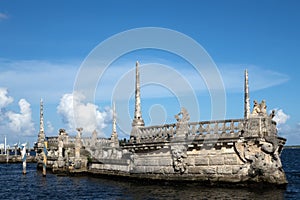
x=43 y=44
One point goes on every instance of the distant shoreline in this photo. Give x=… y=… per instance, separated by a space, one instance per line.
x=292 y=147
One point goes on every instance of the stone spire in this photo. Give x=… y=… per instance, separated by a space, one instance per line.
x=246 y=97
x=138 y=120
x=41 y=135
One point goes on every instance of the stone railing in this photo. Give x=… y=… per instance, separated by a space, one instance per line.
x=196 y=130
x=156 y=133
x=223 y=128
x=53 y=140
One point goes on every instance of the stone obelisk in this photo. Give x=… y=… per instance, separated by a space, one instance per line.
x=246 y=96
x=137 y=120
x=41 y=135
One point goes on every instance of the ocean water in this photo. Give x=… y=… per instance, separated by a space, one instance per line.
x=14 y=185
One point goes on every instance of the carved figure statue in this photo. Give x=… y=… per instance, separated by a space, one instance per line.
x=259 y=109
x=272 y=115
x=62 y=131
x=256 y=108
x=263 y=107
x=79 y=132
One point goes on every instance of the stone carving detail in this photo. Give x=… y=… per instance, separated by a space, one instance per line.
x=261 y=159
x=182 y=126
x=179 y=158
x=259 y=109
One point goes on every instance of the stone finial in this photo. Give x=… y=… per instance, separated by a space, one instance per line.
x=246 y=96
x=138 y=120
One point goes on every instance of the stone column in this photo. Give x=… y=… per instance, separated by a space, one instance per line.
x=45 y=154
x=114 y=135
x=246 y=97
x=23 y=154
x=60 y=160
x=78 y=144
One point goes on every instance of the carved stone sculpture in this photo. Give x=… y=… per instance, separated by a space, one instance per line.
x=256 y=108
x=260 y=159
x=259 y=109
x=272 y=115
x=263 y=107
x=182 y=126
x=179 y=158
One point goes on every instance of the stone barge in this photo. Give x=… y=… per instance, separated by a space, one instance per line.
x=234 y=151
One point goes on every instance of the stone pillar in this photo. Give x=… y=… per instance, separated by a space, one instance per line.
x=60 y=160
x=45 y=154
x=16 y=150
x=5 y=145
x=78 y=144
x=114 y=135
x=23 y=154
x=246 y=97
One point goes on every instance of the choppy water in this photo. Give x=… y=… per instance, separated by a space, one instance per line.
x=14 y=185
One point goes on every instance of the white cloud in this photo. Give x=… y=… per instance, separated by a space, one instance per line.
x=290 y=132
x=3 y=16
x=21 y=122
x=50 y=127
x=39 y=78
x=280 y=117
x=4 y=98
x=77 y=113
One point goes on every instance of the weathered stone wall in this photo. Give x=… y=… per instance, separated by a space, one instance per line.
x=122 y=165
x=153 y=161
